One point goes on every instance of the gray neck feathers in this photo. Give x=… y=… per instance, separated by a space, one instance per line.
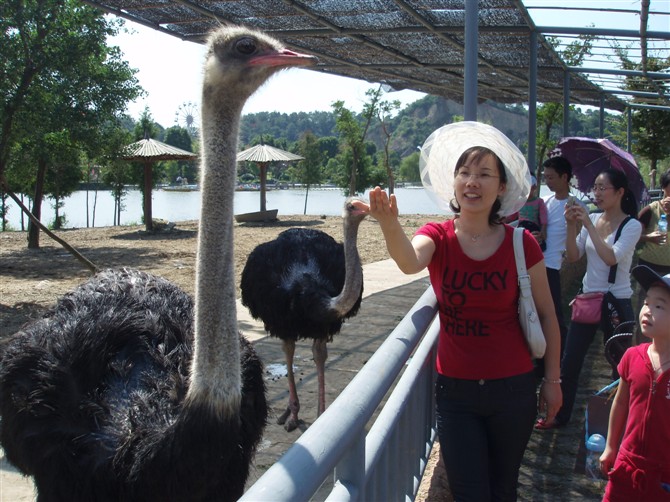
x=353 y=278
x=215 y=370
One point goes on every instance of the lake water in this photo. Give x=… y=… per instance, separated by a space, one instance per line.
x=183 y=206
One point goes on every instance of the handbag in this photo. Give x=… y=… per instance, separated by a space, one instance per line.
x=587 y=308
x=528 y=318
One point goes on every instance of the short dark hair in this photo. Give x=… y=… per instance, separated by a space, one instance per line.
x=559 y=164
x=665 y=179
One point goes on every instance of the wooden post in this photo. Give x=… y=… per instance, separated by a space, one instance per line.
x=264 y=174
x=148 y=222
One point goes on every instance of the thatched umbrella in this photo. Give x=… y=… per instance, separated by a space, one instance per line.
x=263 y=155
x=148 y=151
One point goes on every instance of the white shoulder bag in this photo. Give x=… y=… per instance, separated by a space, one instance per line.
x=530 y=322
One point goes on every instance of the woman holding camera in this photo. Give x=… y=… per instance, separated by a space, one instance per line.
x=597 y=239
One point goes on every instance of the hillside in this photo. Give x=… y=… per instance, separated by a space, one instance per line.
x=415 y=123
x=411 y=126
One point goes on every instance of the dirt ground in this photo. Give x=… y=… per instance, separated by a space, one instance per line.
x=31 y=280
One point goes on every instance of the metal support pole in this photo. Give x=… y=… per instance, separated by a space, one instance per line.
x=566 y=104
x=532 y=104
x=629 y=130
x=601 y=118
x=471 y=59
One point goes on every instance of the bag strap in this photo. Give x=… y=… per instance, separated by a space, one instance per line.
x=612 y=277
x=520 y=258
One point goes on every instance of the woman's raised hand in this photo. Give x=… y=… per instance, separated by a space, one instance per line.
x=382 y=207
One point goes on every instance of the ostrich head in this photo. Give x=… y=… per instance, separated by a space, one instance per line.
x=354 y=210
x=240 y=60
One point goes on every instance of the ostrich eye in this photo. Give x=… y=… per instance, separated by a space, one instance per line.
x=246 y=46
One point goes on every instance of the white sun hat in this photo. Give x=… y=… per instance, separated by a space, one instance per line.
x=443 y=148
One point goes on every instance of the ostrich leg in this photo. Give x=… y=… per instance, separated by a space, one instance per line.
x=320 y=353
x=293 y=402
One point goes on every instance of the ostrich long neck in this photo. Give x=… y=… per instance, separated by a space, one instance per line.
x=353 y=276
x=215 y=370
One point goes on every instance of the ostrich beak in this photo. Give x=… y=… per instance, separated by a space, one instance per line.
x=284 y=57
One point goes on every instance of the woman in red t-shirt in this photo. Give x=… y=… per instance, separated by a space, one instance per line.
x=486 y=390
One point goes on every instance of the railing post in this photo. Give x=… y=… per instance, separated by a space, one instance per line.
x=350 y=473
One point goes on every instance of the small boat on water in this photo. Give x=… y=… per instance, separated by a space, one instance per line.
x=181 y=188
x=247 y=187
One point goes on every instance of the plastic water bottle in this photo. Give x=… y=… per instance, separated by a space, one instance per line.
x=595 y=445
x=663 y=227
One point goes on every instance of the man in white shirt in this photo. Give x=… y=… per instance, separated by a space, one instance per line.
x=557 y=174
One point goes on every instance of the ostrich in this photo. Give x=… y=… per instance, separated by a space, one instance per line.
x=303 y=284
x=127 y=389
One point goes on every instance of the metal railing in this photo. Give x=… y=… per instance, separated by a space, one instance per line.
x=386 y=463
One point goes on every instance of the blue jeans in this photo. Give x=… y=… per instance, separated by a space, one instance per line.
x=484 y=427
x=577 y=345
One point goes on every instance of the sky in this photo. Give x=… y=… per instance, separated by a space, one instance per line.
x=170 y=70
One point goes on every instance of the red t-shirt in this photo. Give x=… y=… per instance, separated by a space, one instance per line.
x=480 y=334
x=648 y=425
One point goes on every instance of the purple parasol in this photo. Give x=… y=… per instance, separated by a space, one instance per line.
x=590 y=156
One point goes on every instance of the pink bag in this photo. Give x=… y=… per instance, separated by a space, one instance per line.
x=587 y=308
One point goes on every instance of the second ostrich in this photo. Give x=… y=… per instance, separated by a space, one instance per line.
x=126 y=390
x=301 y=285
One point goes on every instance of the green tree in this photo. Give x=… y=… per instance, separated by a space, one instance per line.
x=117 y=174
x=651 y=128
x=180 y=137
x=58 y=74
x=146 y=127
x=328 y=146
x=308 y=170
x=385 y=110
x=409 y=168
x=64 y=172
x=332 y=169
x=353 y=134
x=112 y=170
x=548 y=114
